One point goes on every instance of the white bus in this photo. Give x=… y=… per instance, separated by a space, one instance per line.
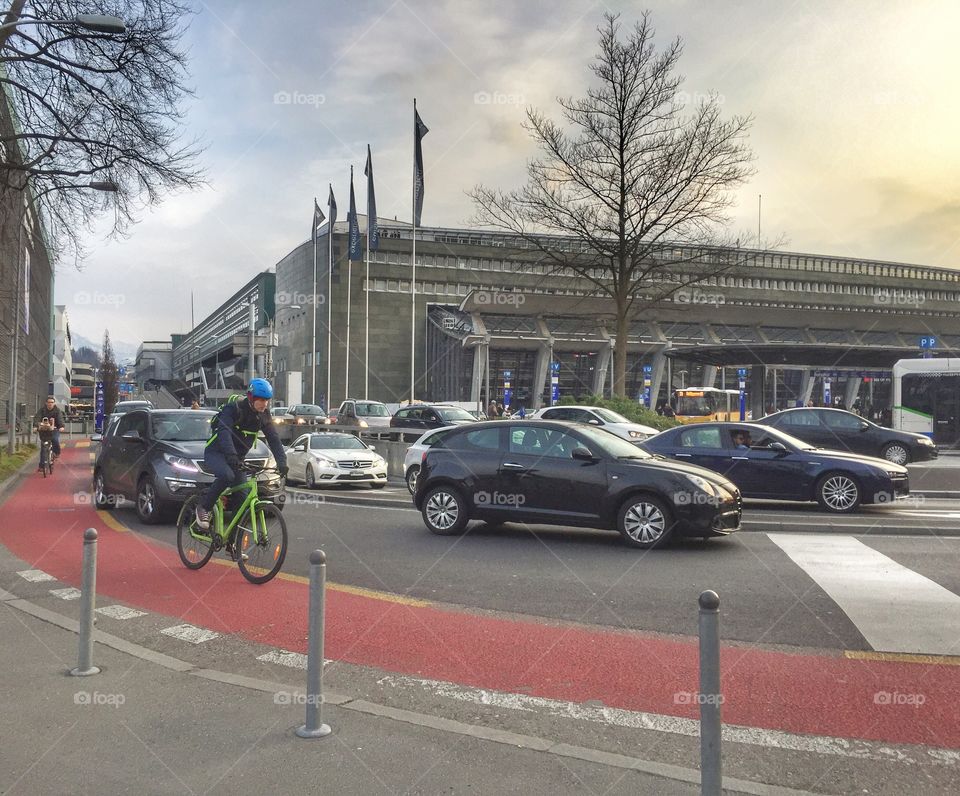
x=926 y=398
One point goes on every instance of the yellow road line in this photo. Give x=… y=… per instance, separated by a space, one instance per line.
x=84 y=443
x=903 y=657
x=341 y=587
x=111 y=522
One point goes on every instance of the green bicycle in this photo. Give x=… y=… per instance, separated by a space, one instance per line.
x=256 y=535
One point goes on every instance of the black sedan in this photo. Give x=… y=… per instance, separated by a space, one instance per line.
x=767 y=464
x=557 y=473
x=835 y=428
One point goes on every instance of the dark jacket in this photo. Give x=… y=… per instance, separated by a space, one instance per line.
x=237 y=427
x=53 y=415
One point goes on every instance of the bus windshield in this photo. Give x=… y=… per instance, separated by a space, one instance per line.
x=698 y=403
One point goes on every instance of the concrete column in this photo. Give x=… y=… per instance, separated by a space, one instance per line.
x=541 y=373
x=709 y=375
x=656 y=376
x=479 y=368
x=755 y=383
x=806 y=386
x=604 y=363
x=850 y=393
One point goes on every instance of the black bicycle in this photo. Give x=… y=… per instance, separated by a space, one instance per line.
x=46 y=456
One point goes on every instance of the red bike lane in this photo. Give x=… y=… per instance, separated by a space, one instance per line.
x=43 y=521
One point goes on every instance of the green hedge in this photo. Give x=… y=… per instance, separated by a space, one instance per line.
x=624 y=406
x=10 y=464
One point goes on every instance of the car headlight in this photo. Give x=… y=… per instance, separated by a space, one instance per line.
x=179 y=463
x=702 y=484
x=637 y=435
x=300 y=421
x=924 y=441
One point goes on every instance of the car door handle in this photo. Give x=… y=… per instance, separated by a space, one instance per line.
x=741 y=458
x=513 y=466
x=684 y=455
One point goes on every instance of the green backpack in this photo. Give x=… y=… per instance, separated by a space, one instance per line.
x=215 y=420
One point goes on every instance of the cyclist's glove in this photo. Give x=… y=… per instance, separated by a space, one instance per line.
x=283 y=469
x=234 y=463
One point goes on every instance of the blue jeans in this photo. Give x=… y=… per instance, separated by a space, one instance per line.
x=224 y=477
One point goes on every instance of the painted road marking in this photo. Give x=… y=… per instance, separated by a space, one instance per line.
x=732 y=733
x=189 y=633
x=294 y=660
x=120 y=612
x=111 y=522
x=84 y=443
x=66 y=594
x=902 y=657
x=35 y=575
x=895 y=608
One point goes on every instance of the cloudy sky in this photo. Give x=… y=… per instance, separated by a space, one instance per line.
x=855 y=106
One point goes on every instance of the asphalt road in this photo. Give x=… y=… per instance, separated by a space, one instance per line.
x=591 y=577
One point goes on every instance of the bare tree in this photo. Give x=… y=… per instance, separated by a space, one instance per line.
x=638 y=180
x=95 y=107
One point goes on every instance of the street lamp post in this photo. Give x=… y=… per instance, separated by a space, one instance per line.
x=15 y=353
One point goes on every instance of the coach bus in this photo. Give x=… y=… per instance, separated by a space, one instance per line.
x=926 y=398
x=703 y=404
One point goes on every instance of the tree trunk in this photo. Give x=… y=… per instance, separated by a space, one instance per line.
x=620 y=352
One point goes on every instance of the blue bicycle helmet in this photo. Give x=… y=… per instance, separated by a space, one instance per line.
x=260 y=388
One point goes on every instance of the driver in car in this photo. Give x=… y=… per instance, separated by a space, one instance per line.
x=742 y=439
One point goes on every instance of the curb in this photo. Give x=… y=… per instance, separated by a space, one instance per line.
x=508 y=738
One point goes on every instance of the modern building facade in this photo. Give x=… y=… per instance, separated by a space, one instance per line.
x=61 y=363
x=153 y=364
x=489 y=312
x=217 y=357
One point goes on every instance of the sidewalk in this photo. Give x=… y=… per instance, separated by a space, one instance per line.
x=139 y=727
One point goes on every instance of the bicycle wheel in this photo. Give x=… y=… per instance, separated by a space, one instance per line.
x=264 y=557
x=45 y=461
x=194 y=547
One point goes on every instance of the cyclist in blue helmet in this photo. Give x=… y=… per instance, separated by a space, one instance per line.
x=236 y=430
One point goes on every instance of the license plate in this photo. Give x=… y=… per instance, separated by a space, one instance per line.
x=356 y=472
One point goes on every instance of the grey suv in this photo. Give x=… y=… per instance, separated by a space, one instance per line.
x=155 y=458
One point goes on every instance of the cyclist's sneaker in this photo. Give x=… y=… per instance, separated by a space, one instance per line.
x=203 y=518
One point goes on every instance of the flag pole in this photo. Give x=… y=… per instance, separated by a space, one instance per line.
x=313 y=345
x=366 y=317
x=329 y=304
x=413 y=257
x=346 y=375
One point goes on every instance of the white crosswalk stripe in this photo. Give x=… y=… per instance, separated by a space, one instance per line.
x=895 y=608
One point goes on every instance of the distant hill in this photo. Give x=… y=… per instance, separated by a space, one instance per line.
x=125 y=353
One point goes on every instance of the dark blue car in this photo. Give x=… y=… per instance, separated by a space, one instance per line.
x=768 y=464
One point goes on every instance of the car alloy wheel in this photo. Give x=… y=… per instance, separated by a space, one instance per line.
x=412 y=474
x=838 y=492
x=644 y=522
x=100 y=492
x=148 y=505
x=896 y=453
x=444 y=511
x=309 y=479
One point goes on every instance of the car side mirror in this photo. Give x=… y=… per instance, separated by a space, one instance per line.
x=778 y=446
x=96 y=438
x=133 y=436
x=582 y=454
x=300 y=448
x=864 y=426
x=594 y=422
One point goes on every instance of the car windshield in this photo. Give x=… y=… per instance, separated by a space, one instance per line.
x=372 y=410
x=181 y=426
x=609 y=417
x=279 y=410
x=453 y=413
x=346 y=442
x=310 y=409
x=611 y=444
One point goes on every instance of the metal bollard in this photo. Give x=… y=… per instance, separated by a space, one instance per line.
x=315 y=728
x=709 y=695
x=88 y=601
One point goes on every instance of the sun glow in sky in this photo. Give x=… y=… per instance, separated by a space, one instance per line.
x=855 y=106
